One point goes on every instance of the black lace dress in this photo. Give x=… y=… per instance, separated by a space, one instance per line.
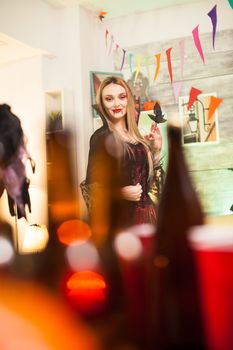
x=132 y=168
x=135 y=169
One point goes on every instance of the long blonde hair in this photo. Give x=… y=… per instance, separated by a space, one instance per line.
x=131 y=124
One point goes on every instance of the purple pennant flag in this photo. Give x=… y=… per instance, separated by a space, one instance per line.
x=123 y=59
x=213 y=16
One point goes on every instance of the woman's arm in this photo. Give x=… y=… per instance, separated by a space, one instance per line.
x=154 y=139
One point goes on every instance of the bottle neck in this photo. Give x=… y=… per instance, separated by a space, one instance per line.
x=174 y=137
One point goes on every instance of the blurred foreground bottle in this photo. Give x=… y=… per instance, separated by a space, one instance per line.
x=176 y=308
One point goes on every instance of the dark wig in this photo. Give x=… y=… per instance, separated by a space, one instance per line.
x=11 y=135
x=13 y=153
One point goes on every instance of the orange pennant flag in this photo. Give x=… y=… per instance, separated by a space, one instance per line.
x=157 y=65
x=214 y=103
x=193 y=96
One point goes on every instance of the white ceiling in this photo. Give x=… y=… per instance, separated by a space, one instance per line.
x=13 y=50
x=116 y=8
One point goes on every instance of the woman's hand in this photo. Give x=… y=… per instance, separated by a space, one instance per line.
x=154 y=138
x=132 y=193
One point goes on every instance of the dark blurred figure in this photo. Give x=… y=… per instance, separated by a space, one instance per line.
x=13 y=157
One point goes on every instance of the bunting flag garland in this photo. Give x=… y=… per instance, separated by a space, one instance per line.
x=176 y=89
x=157 y=57
x=231 y=3
x=102 y=15
x=111 y=45
x=197 y=42
x=130 y=62
x=106 y=38
x=214 y=103
x=169 y=65
x=138 y=67
x=147 y=67
x=123 y=59
x=193 y=96
x=213 y=16
x=181 y=46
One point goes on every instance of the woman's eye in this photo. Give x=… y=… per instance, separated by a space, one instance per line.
x=108 y=99
x=122 y=97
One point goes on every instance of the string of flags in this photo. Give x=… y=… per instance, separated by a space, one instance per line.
x=214 y=101
x=111 y=44
x=213 y=16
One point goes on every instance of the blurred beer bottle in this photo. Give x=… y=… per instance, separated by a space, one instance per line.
x=178 y=322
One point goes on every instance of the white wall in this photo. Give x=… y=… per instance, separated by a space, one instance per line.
x=21 y=88
x=93 y=58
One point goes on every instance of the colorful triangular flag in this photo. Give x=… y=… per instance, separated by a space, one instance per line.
x=214 y=103
x=197 y=42
x=193 y=96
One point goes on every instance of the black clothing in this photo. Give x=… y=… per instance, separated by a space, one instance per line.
x=130 y=169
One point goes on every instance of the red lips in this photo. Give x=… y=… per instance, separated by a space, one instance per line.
x=118 y=110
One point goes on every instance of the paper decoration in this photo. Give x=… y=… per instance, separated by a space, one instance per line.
x=175 y=85
x=130 y=62
x=147 y=67
x=138 y=67
x=157 y=57
x=213 y=16
x=214 y=103
x=169 y=65
x=106 y=38
x=181 y=46
x=123 y=59
x=102 y=15
x=193 y=96
x=197 y=42
x=231 y=3
x=111 y=45
x=176 y=89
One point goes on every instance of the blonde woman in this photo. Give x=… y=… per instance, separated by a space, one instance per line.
x=136 y=156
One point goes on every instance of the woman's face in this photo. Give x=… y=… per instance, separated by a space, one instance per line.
x=115 y=101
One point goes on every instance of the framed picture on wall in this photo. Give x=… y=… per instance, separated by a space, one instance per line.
x=96 y=78
x=198 y=128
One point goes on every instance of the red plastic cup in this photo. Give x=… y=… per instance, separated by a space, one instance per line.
x=213 y=249
x=134 y=249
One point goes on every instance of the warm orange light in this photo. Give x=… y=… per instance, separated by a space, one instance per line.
x=87 y=291
x=72 y=231
x=36 y=317
x=61 y=210
x=35 y=239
